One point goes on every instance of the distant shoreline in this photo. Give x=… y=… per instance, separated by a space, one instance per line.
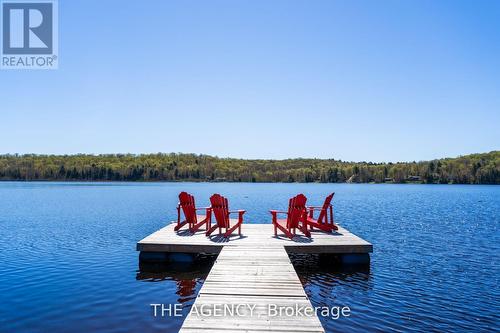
x=470 y=169
x=213 y=182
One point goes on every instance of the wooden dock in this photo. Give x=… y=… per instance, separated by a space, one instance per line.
x=253 y=270
x=260 y=277
x=167 y=240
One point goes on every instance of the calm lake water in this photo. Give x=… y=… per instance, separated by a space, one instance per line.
x=68 y=259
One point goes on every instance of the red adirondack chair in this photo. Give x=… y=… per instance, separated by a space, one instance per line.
x=296 y=217
x=221 y=211
x=323 y=222
x=188 y=207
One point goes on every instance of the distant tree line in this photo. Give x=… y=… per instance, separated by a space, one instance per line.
x=470 y=169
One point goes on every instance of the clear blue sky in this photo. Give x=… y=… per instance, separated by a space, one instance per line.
x=352 y=80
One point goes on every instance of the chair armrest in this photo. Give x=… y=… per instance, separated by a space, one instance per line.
x=239 y=211
x=276 y=212
x=240 y=214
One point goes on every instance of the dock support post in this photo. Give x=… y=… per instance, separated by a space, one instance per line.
x=164 y=257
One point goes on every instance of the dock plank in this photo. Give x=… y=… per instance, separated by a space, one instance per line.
x=236 y=280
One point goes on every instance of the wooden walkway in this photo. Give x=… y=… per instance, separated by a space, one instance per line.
x=253 y=270
x=260 y=277
x=167 y=240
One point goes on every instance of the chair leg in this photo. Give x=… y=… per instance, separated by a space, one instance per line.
x=304 y=230
x=229 y=231
x=212 y=229
x=180 y=225
x=195 y=227
x=288 y=232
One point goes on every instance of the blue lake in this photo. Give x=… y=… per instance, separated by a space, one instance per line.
x=68 y=259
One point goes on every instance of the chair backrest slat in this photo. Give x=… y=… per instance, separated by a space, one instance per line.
x=186 y=201
x=323 y=216
x=220 y=208
x=296 y=210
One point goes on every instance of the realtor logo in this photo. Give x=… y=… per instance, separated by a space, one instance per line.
x=29 y=34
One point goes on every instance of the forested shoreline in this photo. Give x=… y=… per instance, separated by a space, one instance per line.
x=470 y=169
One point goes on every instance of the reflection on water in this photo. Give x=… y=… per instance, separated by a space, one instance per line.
x=188 y=276
x=320 y=274
x=306 y=264
x=325 y=277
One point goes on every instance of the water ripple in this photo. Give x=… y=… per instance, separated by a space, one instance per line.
x=69 y=261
